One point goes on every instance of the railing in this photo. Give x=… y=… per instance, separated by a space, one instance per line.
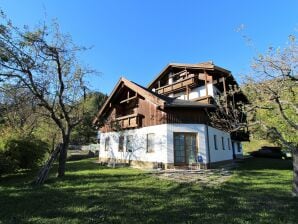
x=204 y=99
x=176 y=86
x=128 y=121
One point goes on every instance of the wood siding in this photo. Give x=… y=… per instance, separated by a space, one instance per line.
x=148 y=115
x=186 y=116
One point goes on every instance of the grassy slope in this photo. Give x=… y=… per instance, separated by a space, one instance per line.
x=259 y=192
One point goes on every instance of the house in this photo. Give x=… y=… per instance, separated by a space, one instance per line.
x=167 y=123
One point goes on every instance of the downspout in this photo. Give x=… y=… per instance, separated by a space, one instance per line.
x=208 y=148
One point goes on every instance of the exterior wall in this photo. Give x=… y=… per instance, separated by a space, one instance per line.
x=199 y=129
x=164 y=144
x=223 y=152
x=151 y=115
x=195 y=92
x=238 y=150
x=139 y=145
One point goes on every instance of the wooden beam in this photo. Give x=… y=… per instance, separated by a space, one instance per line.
x=128 y=99
x=187 y=92
x=224 y=86
x=218 y=80
x=206 y=86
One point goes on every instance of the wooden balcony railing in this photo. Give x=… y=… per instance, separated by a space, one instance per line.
x=204 y=99
x=176 y=86
x=128 y=121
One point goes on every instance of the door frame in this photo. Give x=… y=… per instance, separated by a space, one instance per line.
x=185 y=151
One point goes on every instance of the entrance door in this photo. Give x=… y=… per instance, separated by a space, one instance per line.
x=185 y=148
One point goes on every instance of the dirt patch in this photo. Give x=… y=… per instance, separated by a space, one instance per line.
x=205 y=177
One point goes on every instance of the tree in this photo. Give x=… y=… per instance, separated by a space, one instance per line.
x=45 y=62
x=17 y=110
x=272 y=90
x=84 y=133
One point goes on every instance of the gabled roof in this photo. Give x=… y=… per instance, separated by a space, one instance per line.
x=153 y=97
x=131 y=85
x=203 y=65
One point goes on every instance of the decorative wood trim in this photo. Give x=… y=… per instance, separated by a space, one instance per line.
x=128 y=99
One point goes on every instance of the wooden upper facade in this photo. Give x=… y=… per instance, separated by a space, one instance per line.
x=181 y=93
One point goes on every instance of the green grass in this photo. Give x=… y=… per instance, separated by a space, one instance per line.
x=255 y=144
x=258 y=192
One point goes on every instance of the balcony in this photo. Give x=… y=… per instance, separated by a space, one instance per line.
x=179 y=85
x=204 y=99
x=240 y=135
x=128 y=121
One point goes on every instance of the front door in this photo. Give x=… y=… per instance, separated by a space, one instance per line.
x=185 y=148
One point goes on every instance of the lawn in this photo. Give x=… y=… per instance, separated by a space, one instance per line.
x=258 y=192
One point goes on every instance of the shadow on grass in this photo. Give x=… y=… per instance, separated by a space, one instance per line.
x=94 y=194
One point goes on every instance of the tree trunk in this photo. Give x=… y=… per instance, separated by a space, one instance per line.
x=295 y=176
x=63 y=156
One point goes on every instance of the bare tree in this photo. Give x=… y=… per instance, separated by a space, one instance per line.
x=45 y=62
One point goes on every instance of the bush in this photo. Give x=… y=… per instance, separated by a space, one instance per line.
x=24 y=153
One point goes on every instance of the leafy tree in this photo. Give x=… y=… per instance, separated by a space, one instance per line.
x=272 y=90
x=84 y=133
x=45 y=62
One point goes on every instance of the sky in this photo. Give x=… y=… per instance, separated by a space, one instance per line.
x=138 y=38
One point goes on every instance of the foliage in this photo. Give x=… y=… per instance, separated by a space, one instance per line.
x=22 y=153
x=258 y=192
x=84 y=133
x=44 y=61
x=272 y=90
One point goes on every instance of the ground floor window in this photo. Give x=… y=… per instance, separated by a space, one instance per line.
x=107 y=143
x=150 y=142
x=215 y=142
x=121 y=143
x=129 y=143
x=238 y=146
x=185 y=148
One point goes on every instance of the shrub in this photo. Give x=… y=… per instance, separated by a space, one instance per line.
x=22 y=152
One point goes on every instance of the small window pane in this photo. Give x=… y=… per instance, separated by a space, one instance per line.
x=121 y=143
x=129 y=140
x=215 y=142
x=150 y=142
x=107 y=143
x=223 y=143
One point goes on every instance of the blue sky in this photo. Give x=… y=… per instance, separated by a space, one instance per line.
x=137 y=39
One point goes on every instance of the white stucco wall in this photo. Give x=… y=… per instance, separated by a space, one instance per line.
x=221 y=153
x=164 y=143
x=139 y=144
x=195 y=92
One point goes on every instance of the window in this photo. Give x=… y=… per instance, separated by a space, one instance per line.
x=129 y=143
x=223 y=143
x=229 y=144
x=215 y=142
x=107 y=143
x=121 y=143
x=150 y=142
x=238 y=147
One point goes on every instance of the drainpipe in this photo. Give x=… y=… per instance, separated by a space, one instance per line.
x=208 y=148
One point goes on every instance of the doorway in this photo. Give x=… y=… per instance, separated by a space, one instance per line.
x=185 y=148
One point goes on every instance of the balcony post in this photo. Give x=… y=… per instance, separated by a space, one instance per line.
x=206 y=86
